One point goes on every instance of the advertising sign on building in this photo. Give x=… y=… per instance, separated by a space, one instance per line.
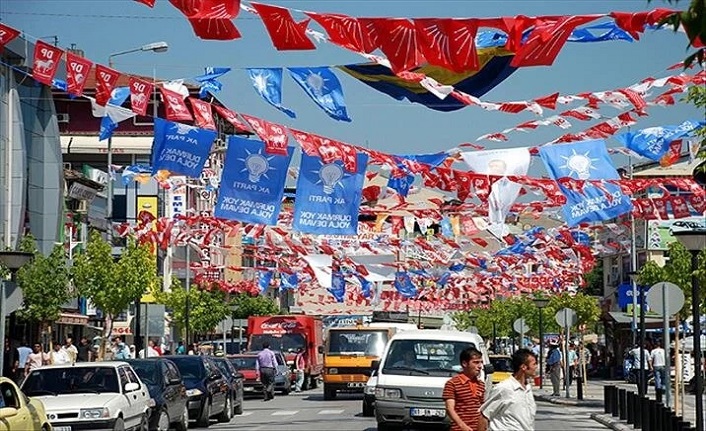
x=176 y=204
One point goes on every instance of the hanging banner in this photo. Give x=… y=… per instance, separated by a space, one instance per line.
x=180 y=148
x=140 y=92
x=106 y=79
x=252 y=185
x=588 y=160
x=328 y=197
x=203 y=115
x=46 y=61
x=324 y=88
x=77 y=69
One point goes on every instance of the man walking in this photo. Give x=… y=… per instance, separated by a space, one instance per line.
x=554 y=367
x=510 y=405
x=265 y=367
x=300 y=369
x=464 y=393
x=657 y=357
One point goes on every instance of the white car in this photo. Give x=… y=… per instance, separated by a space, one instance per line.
x=91 y=396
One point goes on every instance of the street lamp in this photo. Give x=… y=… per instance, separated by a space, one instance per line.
x=694 y=240
x=13 y=261
x=642 y=383
x=541 y=303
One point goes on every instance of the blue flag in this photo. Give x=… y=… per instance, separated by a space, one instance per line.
x=338 y=286
x=403 y=284
x=108 y=126
x=606 y=31
x=132 y=172
x=401 y=185
x=446 y=227
x=209 y=80
x=365 y=286
x=180 y=148
x=268 y=84
x=252 y=184
x=653 y=142
x=328 y=197
x=263 y=281
x=288 y=281
x=444 y=279
x=324 y=88
x=586 y=160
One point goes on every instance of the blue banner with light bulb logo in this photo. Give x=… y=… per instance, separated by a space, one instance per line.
x=252 y=183
x=328 y=196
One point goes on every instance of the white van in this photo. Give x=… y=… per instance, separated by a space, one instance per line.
x=413 y=371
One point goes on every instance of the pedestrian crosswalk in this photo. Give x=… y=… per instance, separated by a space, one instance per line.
x=328 y=412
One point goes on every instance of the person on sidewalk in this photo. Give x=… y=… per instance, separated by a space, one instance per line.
x=554 y=367
x=657 y=357
x=510 y=405
x=637 y=366
x=299 y=369
x=465 y=392
x=265 y=367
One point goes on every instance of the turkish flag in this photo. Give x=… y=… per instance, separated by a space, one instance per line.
x=174 y=106
x=106 y=78
x=274 y=135
x=203 y=114
x=77 y=69
x=46 y=62
x=140 y=92
x=7 y=34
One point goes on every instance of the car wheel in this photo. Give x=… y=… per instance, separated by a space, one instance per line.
x=204 y=419
x=368 y=409
x=145 y=423
x=314 y=382
x=163 y=421
x=183 y=423
x=384 y=426
x=238 y=410
x=227 y=413
x=119 y=425
x=329 y=394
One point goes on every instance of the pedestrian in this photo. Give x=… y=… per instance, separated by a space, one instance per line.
x=638 y=365
x=151 y=351
x=59 y=356
x=85 y=352
x=36 y=359
x=554 y=367
x=11 y=360
x=71 y=350
x=265 y=367
x=181 y=350
x=657 y=356
x=24 y=352
x=120 y=349
x=464 y=393
x=572 y=358
x=299 y=369
x=510 y=405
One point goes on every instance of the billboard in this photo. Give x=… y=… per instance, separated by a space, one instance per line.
x=659 y=232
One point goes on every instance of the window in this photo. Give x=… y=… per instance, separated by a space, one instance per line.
x=173 y=372
x=74 y=380
x=8 y=396
x=132 y=376
x=425 y=357
x=123 y=377
x=363 y=342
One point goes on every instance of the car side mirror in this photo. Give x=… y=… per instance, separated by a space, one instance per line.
x=131 y=387
x=375 y=364
x=174 y=381
x=8 y=412
x=321 y=349
x=238 y=375
x=214 y=376
x=488 y=369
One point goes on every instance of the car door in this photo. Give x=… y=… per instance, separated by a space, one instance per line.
x=129 y=407
x=13 y=398
x=138 y=398
x=174 y=391
x=217 y=385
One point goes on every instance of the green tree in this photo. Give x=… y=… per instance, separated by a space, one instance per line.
x=246 y=306
x=588 y=312
x=112 y=285
x=45 y=283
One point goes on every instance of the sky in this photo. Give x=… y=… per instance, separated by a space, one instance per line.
x=379 y=122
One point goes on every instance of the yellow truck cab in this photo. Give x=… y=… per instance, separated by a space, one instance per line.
x=349 y=353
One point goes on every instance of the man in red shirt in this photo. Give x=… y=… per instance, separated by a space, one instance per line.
x=464 y=393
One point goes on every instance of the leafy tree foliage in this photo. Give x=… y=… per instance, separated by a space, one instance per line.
x=253 y=306
x=45 y=282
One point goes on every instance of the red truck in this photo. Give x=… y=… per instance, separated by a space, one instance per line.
x=287 y=334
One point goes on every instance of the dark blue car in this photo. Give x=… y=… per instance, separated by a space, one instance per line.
x=166 y=387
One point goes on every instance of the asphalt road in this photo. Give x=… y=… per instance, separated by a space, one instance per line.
x=308 y=411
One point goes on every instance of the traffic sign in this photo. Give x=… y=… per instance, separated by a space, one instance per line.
x=520 y=326
x=665 y=294
x=566 y=317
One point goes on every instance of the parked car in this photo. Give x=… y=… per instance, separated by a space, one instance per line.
x=235 y=381
x=19 y=412
x=369 y=395
x=91 y=396
x=245 y=364
x=207 y=389
x=502 y=367
x=167 y=389
x=283 y=374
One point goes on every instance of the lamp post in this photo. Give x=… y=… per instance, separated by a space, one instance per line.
x=642 y=382
x=13 y=261
x=541 y=303
x=233 y=308
x=694 y=240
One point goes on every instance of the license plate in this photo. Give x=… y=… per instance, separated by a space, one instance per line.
x=433 y=413
x=356 y=385
x=61 y=428
x=248 y=389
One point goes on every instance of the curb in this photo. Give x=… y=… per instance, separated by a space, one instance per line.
x=610 y=422
x=568 y=401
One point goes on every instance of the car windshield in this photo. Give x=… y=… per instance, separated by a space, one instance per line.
x=225 y=370
x=148 y=371
x=244 y=363
x=190 y=368
x=424 y=357
x=370 y=343
x=72 y=380
x=282 y=342
x=501 y=364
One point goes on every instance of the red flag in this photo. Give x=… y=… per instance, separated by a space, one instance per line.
x=149 y=3
x=211 y=19
x=140 y=92
x=698 y=202
x=46 y=61
x=7 y=34
x=274 y=135
x=400 y=42
x=448 y=42
x=679 y=207
x=106 y=78
x=286 y=34
x=344 y=31
x=174 y=106
x=202 y=114
x=672 y=155
x=77 y=69
x=232 y=118
x=660 y=205
x=307 y=141
x=546 y=40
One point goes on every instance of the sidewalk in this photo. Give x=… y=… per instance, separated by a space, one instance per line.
x=592 y=394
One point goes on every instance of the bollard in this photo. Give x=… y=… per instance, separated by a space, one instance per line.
x=655 y=415
x=630 y=403
x=607 y=392
x=645 y=413
x=666 y=418
x=579 y=387
x=622 y=404
x=648 y=423
x=636 y=408
x=683 y=425
x=614 y=402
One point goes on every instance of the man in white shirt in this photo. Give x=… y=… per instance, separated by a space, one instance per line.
x=510 y=405
x=657 y=356
x=58 y=355
x=636 y=354
x=151 y=351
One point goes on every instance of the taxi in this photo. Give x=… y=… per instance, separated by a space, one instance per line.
x=502 y=365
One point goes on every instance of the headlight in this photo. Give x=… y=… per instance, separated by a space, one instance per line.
x=94 y=413
x=332 y=371
x=151 y=403
x=193 y=392
x=388 y=393
x=369 y=390
x=290 y=363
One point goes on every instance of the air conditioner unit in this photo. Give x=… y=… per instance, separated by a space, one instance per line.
x=62 y=117
x=67 y=166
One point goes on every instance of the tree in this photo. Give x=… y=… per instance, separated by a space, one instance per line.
x=112 y=285
x=693 y=21
x=247 y=306
x=45 y=283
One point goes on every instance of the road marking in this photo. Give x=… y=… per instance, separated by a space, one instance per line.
x=285 y=413
x=331 y=412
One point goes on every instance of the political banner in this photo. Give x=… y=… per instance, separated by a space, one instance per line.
x=328 y=196
x=180 y=148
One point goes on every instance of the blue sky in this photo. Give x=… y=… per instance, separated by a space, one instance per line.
x=107 y=26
